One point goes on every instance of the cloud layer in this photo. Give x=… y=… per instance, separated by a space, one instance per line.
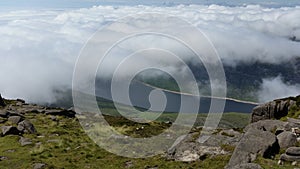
x=38 y=48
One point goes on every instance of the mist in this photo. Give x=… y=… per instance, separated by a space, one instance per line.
x=39 y=48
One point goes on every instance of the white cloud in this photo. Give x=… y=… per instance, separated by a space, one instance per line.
x=274 y=88
x=38 y=48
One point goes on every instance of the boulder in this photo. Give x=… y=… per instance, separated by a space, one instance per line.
x=2 y=103
x=293 y=151
x=252 y=143
x=287 y=139
x=25 y=141
x=272 y=110
x=267 y=125
x=39 y=166
x=247 y=166
x=4 y=113
x=15 y=119
x=9 y=130
x=26 y=125
x=285 y=157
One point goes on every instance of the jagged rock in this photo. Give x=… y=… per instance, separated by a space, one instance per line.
x=247 y=166
x=25 y=141
x=4 y=113
x=2 y=103
x=26 y=125
x=286 y=139
x=272 y=110
x=66 y=113
x=254 y=142
x=39 y=166
x=15 y=119
x=267 y=125
x=285 y=157
x=9 y=130
x=294 y=151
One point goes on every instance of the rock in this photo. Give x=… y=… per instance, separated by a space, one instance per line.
x=4 y=113
x=2 y=103
x=294 y=151
x=254 y=142
x=3 y=158
x=267 y=125
x=39 y=166
x=247 y=166
x=25 y=141
x=15 y=119
x=9 y=130
x=26 y=125
x=272 y=110
x=66 y=113
x=287 y=139
x=188 y=156
x=285 y=157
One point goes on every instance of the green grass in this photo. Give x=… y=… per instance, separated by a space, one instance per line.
x=72 y=148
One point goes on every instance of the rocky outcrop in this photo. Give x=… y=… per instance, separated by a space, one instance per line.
x=291 y=154
x=287 y=139
x=254 y=142
x=272 y=110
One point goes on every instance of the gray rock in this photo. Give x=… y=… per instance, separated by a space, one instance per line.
x=272 y=110
x=293 y=151
x=9 y=130
x=26 y=125
x=287 y=139
x=285 y=157
x=267 y=125
x=254 y=142
x=247 y=166
x=4 y=113
x=2 y=103
x=25 y=141
x=3 y=158
x=15 y=119
x=39 y=166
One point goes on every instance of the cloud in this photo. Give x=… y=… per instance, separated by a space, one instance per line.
x=273 y=88
x=39 y=48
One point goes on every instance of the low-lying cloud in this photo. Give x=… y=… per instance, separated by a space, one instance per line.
x=275 y=88
x=38 y=48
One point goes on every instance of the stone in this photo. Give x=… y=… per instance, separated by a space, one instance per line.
x=287 y=139
x=15 y=119
x=39 y=166
x=2 y=103
x=267 y=125
x=272 y=110
x=25 y=141
x=4 y=113
x=294 y=151
x=26 y=125
x=9 y=130
x=254 y=142
x=247 y=166
x=3 y=158
x=285 y=157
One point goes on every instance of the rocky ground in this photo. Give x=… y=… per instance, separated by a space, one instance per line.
x=34 y=136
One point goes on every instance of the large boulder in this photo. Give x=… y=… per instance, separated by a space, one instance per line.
x=9 y=130
x=254 y=142
x=287 y=139
x=26 y=126
x=267 y=125
x=272 y=110
x=2 y=103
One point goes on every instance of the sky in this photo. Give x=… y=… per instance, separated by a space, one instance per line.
x=41 y=40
